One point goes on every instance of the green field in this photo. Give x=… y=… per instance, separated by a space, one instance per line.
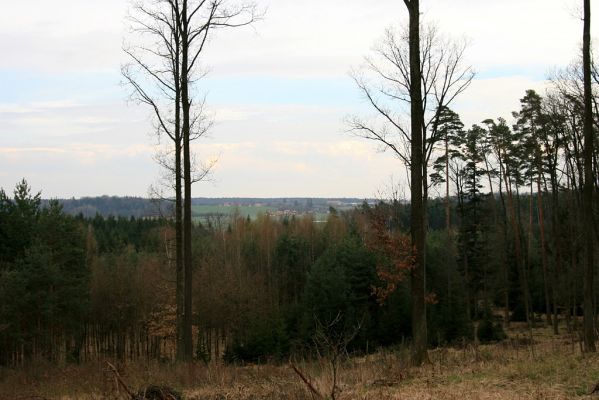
x=202 y=211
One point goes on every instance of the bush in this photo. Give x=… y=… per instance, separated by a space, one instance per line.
x=490 y=331
x=266 y=341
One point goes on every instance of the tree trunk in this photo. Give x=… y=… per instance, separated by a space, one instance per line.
x=450 y=249
x=187 y=254
x=447 y=204
x=419 y=333
x=557 y=243
x=518 y=249
x=506 y=270
x=588 y=319
x=180 y=273
x=543 y=251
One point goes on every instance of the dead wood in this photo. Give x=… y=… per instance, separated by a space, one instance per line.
x=315 y=393
x=157 y=393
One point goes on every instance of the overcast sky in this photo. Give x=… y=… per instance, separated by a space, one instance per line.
x=279 y=92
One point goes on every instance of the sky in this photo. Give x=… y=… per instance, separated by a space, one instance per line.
x=278 y=91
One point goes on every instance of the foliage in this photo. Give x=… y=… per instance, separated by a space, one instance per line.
x=45 y=280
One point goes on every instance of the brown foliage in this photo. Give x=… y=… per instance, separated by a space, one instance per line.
x=396 y=249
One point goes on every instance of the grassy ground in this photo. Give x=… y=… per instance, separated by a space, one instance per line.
x=553 y=368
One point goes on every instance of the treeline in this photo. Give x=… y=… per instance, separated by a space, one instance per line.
x=110 y=206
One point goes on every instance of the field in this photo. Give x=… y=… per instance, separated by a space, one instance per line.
x=202 y=211
x=552 y=368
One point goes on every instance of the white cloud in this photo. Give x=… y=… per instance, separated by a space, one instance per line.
x=82 y=139
x=495 y=97
x=62 y=35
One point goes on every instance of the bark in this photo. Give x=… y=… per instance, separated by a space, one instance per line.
x=186 y=133
x=447 y=204
x=588 y=318
x=518 y=248
x=506 y=270
x=543 y=251
x=419 y=331
x=449 y=243
x=180 y=275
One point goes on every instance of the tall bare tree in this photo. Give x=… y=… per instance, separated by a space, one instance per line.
x=419 y=81
x=589 y=328
x=419 y=333
x=197 y=21
x=180 y=30
x=154 y=75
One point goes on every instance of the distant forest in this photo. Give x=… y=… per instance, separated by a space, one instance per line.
x=138 y=207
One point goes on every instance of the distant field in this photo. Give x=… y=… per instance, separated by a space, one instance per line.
x=201 y=211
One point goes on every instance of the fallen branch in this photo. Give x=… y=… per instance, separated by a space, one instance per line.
x=158 y=393
x=120 y=380
x=307 y=382
x=150 y=393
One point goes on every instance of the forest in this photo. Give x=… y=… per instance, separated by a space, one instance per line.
x=495 y=246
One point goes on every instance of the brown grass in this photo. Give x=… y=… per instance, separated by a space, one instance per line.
x=553 y=368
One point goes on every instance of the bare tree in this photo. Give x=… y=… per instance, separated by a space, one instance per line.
x=154 y=75
x=385 y=83
x=589 y=328
x=163 y=73
x=196 y=21
x=418 y=76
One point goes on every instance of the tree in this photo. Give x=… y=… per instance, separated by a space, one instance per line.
x=450 y=129
x=43 y=280
x=588 y=320
x=181 y=29
x=471 y=237
x=504 y=145
x=530 y=123
x=428 y=79
x=161 y=65
x=338 y=288
x=385 y=84
x=196 y=20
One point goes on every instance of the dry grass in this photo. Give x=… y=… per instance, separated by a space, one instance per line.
x=508 y=370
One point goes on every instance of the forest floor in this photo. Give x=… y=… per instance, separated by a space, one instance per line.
x=552 y=368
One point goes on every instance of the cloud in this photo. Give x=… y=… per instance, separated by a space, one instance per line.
x=495 y=97
x=79 y=169
x=85 y=152
x=62 y=35
x=278 y=92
